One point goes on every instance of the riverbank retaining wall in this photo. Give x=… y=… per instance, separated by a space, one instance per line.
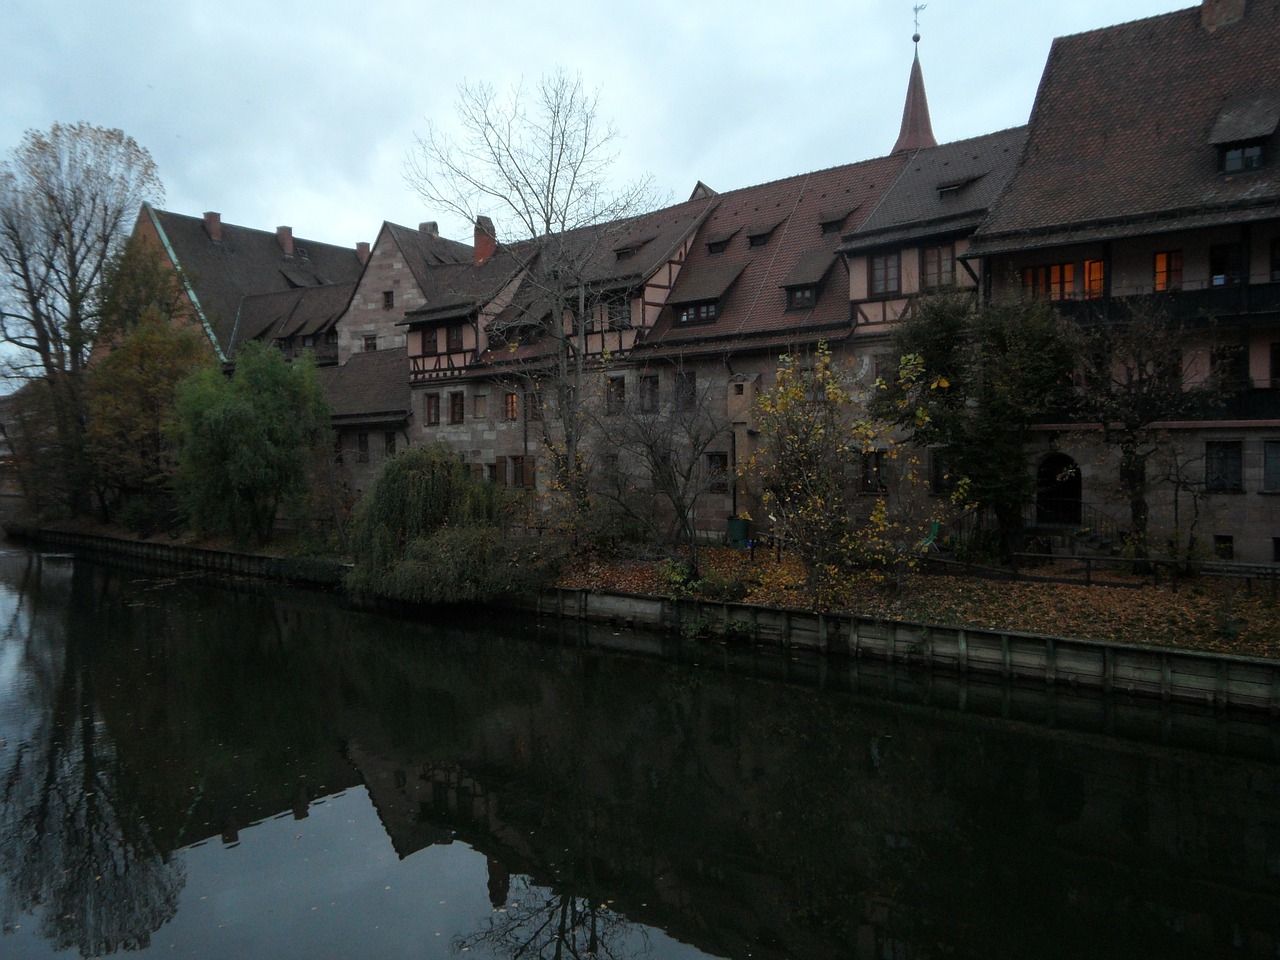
x=1220 y=680
x=1169 y=673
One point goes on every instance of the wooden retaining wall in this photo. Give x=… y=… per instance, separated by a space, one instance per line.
x=1219 y=680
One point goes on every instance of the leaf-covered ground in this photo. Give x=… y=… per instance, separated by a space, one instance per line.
x=1204 y=613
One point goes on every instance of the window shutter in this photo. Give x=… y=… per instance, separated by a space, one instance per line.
x=502 y=471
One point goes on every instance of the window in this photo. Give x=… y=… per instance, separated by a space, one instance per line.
x=1168 y=270
x=873 y=472
x=388 y=299
x=884 y=280
x=453 y=338
x=1271 y=466
x=1095 y=279
x=1225 y=264
x=615 y=396
x=718 y=472
x=620 y=314
x=1223 y=461
x=717 y=246
x=457 y=407
x=697 y=312
x=370 y=343
x=491 y=472
x=532 y=405
x=389 y=444
x=1224 y=546
x=1230 y=367
x=362 y=448
x=759 y=239
x=431 y=409
x=649 y=393
x=481 y=406
x=801 y=298
x=522 y=472
x=1052 y=281
x=937 y=266
x=686 y=390
x=887 y=368
x=1239 y=157
x=510 y=406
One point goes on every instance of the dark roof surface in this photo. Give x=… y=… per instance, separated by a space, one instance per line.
x=423 y=250
x=1123 y=122
x=916 y=130
x=245 y=262
x=305 y=311
x=371 y=386
x=976 y=170
x=755 y=303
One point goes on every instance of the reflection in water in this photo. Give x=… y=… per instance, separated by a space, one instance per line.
x=75 y=844
x=583 y=803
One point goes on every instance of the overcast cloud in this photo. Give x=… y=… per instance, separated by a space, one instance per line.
x=302 y=113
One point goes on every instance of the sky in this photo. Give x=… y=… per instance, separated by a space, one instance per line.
x=303 y=113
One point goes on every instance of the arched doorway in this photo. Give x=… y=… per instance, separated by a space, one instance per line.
x=1058 y=491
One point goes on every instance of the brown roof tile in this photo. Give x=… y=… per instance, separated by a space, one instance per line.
x=370 y=387
x=1123 y=122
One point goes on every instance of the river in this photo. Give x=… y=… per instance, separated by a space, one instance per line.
x=188 y=770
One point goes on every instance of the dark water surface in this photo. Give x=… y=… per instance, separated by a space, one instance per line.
x=188 y=771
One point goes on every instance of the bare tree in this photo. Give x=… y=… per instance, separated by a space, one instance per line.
x=537 y=164
x=68 y=199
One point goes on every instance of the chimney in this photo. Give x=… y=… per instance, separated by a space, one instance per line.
x=362 y=252
x=1220 y=13
x=430 y=228
x=486 y=242
x=285 y=236
x=213 y=225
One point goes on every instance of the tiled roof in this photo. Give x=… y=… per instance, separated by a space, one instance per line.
x=755 y=304
x=916 y=130
x=245 y=262
x=943 y=189
x=369 y=387
x=1122 y=127
x=305 y=311
x=423 y=250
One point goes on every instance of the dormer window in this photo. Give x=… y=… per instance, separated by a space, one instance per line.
x=1241 y=157
x=717 y=246
x=802 y=298
x=704 y=312
x=760 y=235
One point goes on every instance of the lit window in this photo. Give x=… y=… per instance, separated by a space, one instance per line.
x=1168 y=270
x=885 y=274
x=510 y=406
x=1223 y=466
x=1095 y=279
x=1053 y=281
x=937 y=266
x=801 y=298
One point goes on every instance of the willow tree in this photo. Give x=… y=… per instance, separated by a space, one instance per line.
x=68 y=200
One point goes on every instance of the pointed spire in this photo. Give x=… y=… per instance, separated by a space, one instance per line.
x=916 y=131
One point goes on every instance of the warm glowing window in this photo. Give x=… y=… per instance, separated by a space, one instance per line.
x=885 y=273
x=510 y=406
x=937 y=266
x=1051 y=281
x=1168 y=270
x=1095 y=279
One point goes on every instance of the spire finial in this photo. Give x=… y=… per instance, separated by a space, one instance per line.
x=915 y=38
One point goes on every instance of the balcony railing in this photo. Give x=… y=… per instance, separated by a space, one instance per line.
x=1226 y=304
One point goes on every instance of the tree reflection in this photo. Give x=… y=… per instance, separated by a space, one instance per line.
x=74 y=844
x=539 y=922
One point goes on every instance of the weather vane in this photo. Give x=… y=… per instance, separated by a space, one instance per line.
x=916 y=10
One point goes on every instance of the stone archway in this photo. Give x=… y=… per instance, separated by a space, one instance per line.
x=1058 y=491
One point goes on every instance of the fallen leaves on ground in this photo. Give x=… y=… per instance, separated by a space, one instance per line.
x=1204 y=613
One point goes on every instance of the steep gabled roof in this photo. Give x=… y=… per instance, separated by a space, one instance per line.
x=424 y=249
x=305 y=311
x=941 y=190
x=1121 y=134
x=916 y=130
x=371 y=387
x=754 y=303
x=245 y=262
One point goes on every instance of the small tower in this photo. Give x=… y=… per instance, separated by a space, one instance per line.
x=916 y=131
